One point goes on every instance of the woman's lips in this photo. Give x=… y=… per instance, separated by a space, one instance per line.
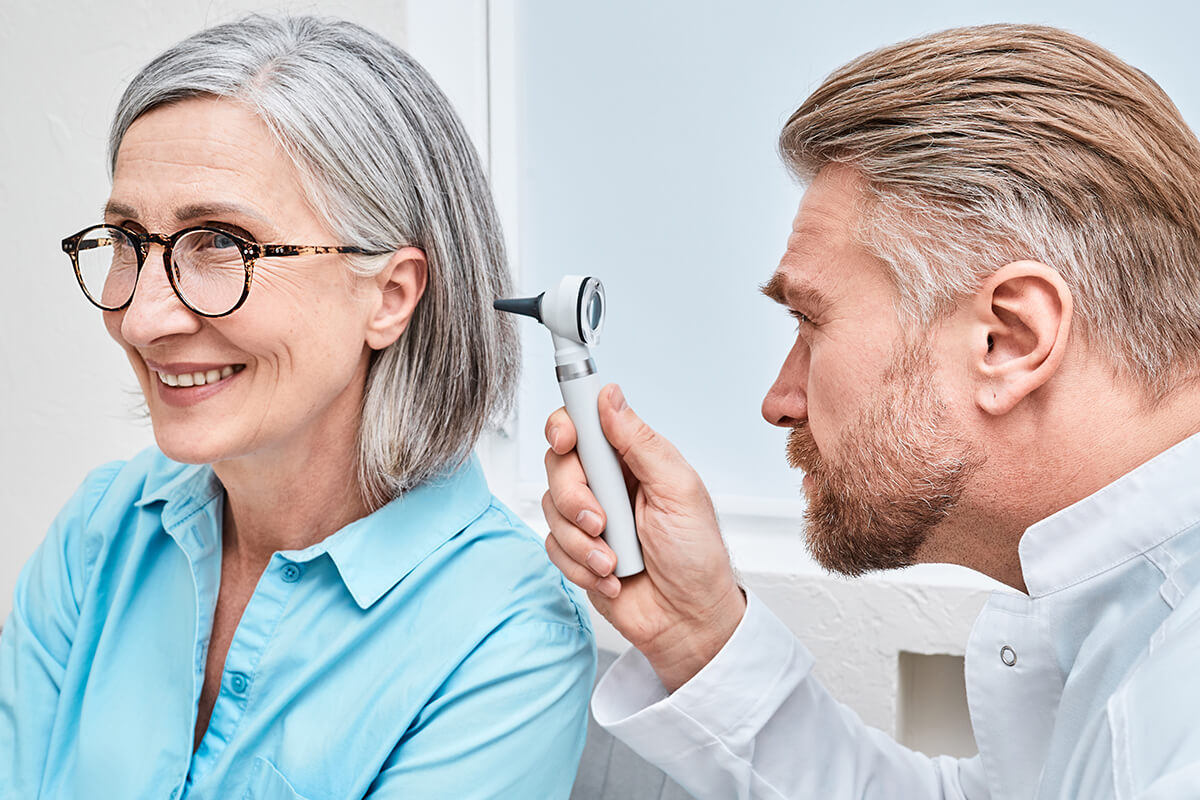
x=198 y=377
x=187 y=384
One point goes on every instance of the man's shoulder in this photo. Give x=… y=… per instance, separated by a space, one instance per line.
x=1152 y=714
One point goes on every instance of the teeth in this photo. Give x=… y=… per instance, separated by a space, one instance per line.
x=199 y=378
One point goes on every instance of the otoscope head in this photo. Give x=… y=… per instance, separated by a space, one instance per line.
x=574 y=309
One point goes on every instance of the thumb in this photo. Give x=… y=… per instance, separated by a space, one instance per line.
x=647 y=454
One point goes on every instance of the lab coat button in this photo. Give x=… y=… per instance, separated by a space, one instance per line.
x=1008 y=656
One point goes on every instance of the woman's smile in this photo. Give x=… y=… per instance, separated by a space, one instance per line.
x=185 y=384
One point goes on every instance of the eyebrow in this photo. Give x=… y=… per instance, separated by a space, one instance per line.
x=788 y=293
x=189 y=212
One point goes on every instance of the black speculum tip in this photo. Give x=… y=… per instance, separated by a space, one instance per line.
x=527 y=306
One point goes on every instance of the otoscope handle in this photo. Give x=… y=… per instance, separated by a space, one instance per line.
x=603 y=472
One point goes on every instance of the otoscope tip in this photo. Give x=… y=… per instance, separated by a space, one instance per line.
x=527 y=306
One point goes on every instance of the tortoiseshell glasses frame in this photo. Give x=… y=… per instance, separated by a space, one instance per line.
x=250 y=252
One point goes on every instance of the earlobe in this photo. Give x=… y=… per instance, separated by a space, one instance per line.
x=398 y=288
x=1022 y=324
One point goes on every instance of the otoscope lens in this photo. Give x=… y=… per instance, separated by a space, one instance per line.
x=595 y=309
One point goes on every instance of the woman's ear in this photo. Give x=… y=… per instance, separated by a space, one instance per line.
x=1020 y=326
x=398 y=286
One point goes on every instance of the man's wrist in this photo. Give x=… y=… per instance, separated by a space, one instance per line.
x=678 y=655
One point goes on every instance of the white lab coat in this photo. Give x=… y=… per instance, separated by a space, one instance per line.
x=1088 y=688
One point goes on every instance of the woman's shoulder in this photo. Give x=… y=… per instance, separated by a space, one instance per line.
x=510 y=563
x=119 y=484
x=451 y=544
x=488 y=557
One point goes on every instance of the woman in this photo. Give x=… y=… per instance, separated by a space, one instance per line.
x=307 y=589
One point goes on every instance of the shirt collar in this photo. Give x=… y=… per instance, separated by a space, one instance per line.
x=1133 y=514
x=183 y=487
x=372 y=554
x=376 y=552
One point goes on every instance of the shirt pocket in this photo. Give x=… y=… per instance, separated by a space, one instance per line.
x=268 y=783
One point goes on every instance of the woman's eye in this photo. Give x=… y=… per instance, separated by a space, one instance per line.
x=222 y=241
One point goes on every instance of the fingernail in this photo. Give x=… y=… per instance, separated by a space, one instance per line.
x=554 y=436
x=599 y=563
x=609 y=587
x=589 y=521
x=618 y=399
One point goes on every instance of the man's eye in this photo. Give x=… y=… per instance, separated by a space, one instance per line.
x=801 y=318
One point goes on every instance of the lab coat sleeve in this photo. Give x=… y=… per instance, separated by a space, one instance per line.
x=754 y=723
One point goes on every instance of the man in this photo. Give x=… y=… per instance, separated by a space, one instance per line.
x=995 y=273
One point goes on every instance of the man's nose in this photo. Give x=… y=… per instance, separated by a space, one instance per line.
x=155 y=310
x=786 y=402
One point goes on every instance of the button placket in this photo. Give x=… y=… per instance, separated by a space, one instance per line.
x=250 y=642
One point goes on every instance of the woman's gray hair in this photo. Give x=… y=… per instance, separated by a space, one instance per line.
x=387 y=163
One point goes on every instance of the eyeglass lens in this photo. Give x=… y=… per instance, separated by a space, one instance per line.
x=208 y=268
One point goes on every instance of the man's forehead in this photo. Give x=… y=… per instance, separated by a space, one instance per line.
x=814 y=238
x=823 y=240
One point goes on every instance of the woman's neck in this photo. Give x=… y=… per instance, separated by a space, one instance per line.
x=289 y=499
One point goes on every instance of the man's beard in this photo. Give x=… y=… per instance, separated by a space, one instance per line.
x=900 y=472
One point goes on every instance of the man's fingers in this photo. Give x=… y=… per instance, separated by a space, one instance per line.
x=581 y=543
x=560 y=432
x=578 y=574
x=570 y=495
x=647 y=454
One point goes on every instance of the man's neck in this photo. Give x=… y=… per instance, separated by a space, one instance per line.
x=1052 y=463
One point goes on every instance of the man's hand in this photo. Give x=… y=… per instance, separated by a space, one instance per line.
x=687 y=603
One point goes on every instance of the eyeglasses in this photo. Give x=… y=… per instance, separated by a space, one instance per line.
x=210 y=269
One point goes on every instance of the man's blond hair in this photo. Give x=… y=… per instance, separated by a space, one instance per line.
x=985 y=145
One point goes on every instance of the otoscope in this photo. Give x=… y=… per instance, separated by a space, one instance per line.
x=574 y=313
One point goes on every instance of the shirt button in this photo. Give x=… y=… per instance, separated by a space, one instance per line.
x=291 y=572
x=238 y=683
x=1008 y=656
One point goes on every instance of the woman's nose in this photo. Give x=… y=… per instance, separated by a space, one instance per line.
x=155 y=310
x=786 y=402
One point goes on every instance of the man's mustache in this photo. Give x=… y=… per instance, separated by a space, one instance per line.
x=802 y=452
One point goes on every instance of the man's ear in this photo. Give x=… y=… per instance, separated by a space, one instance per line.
x=1021 y=321
x=398 y=287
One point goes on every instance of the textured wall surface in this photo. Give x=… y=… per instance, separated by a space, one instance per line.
x=857 y=630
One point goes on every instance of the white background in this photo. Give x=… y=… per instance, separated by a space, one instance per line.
x=631 y=140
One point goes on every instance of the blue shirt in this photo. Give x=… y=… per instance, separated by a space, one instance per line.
x=428 y=650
